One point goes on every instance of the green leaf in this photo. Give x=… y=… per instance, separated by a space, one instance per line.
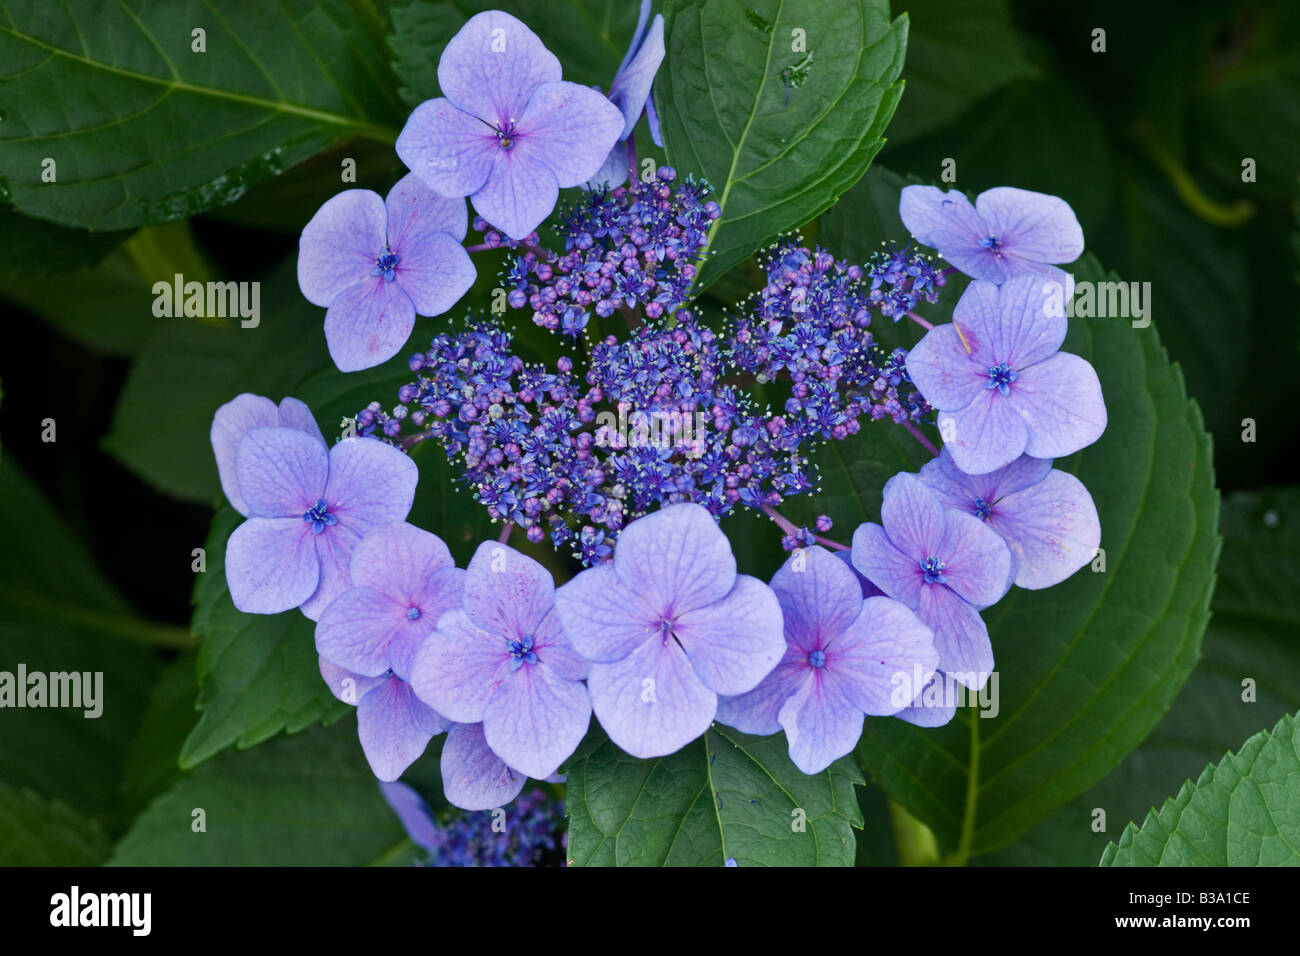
x=39 y=832
x=144 y=129
x=726 y=796
x=1241 y=813
x=308 y=800
x=722 y=96
x=153 y=758
x=257 y=673
x=29 y=247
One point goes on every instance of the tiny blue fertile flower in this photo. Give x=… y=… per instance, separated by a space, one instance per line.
x=532 y=830
x=669 y=626
x=1045 y=516
x=944 y=564
x=845 y=657
x=508 y=131
x=1007 y=232
x=630 y=92
x=307 y=507
x=502 y=659
x=375 y=263
x=1001 y=384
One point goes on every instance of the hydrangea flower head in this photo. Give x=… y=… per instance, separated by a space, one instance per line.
x=503 y=660
x=1001 y=384
x=508 y=131
x=375 y=263
x=670 y=626
x=845 y=657
x=1046 y=516
x=944 y=564
x=308 y=506
x=1007 y=232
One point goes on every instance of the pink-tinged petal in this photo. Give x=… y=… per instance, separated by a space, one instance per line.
x=416 y=212
x=914 y=519
x=819 y=595
x=1031 y=225
x=534 y=722
x=736 y=642
x=956 y=489
x=435 y=274
x=554 y=649
x=572 y=128
x=507 y=593
x=397 y=560
x=931 y=708
x=946 y=221
x=605 y=619
x=295 y=414
x=943 y=371
x=978 y=561
x=354 y=631
x=459 y=667
x=446 y=585
x=651 y=703
x=883 y=659
x=677 y=557
x=229 y=424
x=1009 y=324
x=631 y=88
x=450 y=151
x=339 y=245
x=473 y=777
x=492 y=66
x=820 y=723
x=757 y=712
x=519 y=193
x=371 y=483
x=1052 y=528
x=271 y=565
x=960 y=636
x=897 y=574
x=281 y=471
x=985 y=435
x=1061 y=405
x=344 y=684
x=368 y=323
x=395 y=727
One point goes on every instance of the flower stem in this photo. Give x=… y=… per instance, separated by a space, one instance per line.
x=788 y=526
x=504 y=536
x=920 y=321
x=925 y=442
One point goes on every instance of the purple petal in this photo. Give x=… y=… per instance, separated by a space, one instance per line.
x=1061 y=405
x=757 y=712
x=415 y=212
x=458 y=669
x=960 y=636
x=519 y=194
x=446 y=585
x=492 y=66
x=571 y=128
x=613 y=172
x=339 y=245
x=820 y=724
x=449 y=150
x=394 y=727
x=930 y=708
x=956 y=489
x=1031 y=226
x=605 y=619
x=368 y=323
x=425 y=231
x=271 y=565
x=944 y=371
x=819 y=594
x=295 y=414
x=652 y=120
x=354 y=631
x=949 y=223
x=883 y=659
x=229 y=424
x=473 y=777
x=553 y=647
x=1008 y=324
x=507 y=593
x=677 y=558
x=370 y=483
x=978 y=561
x=1052 y=528
x=334 y=555
x=987 y=434
x=642 y=16
x=631 y=86
x=344 y=684
x=534 y=721
x=413 y=812
x=651 y=703
x=868 y=589
x=736 y=642
x=875 y=555
x=398 y=560
x=281 y=471
x=914 y=519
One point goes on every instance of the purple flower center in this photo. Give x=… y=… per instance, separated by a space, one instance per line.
x=1001 y=377
x=412 y=613
x=992 y=243
x=982 y=509
x=521 y=652
x=506 y=135
x=817 y=658
x=933 y=569
x=384 y=263
x=319 y=516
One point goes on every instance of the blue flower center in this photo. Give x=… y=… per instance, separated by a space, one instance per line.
x=982 y=509
x=319 y=516
x=412 y=613
x=933 y=569
x=817 y=658
x=506 y=135
x=521 y=652
x=384 y=263
x=1001 y=377
x=992 y=243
